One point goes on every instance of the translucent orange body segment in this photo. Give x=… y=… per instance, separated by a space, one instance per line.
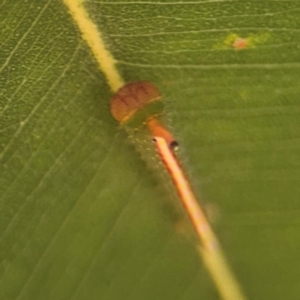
x=158 y=130
x=132 y=97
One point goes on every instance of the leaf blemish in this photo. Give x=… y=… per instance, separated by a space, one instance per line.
x=236 y=42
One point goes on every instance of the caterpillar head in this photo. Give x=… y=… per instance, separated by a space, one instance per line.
x=132 y=97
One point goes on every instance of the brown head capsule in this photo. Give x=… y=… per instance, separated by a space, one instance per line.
x=132 y=97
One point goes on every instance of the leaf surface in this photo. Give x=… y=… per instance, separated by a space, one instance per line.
x=81 y=214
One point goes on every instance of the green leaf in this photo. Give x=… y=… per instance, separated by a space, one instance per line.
x=82 y=217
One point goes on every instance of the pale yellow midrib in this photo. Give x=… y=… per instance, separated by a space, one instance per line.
x=93 y=37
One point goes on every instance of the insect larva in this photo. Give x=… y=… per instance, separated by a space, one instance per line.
x=135 y=104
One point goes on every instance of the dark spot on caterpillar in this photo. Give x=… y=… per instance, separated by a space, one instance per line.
x=173 y=145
